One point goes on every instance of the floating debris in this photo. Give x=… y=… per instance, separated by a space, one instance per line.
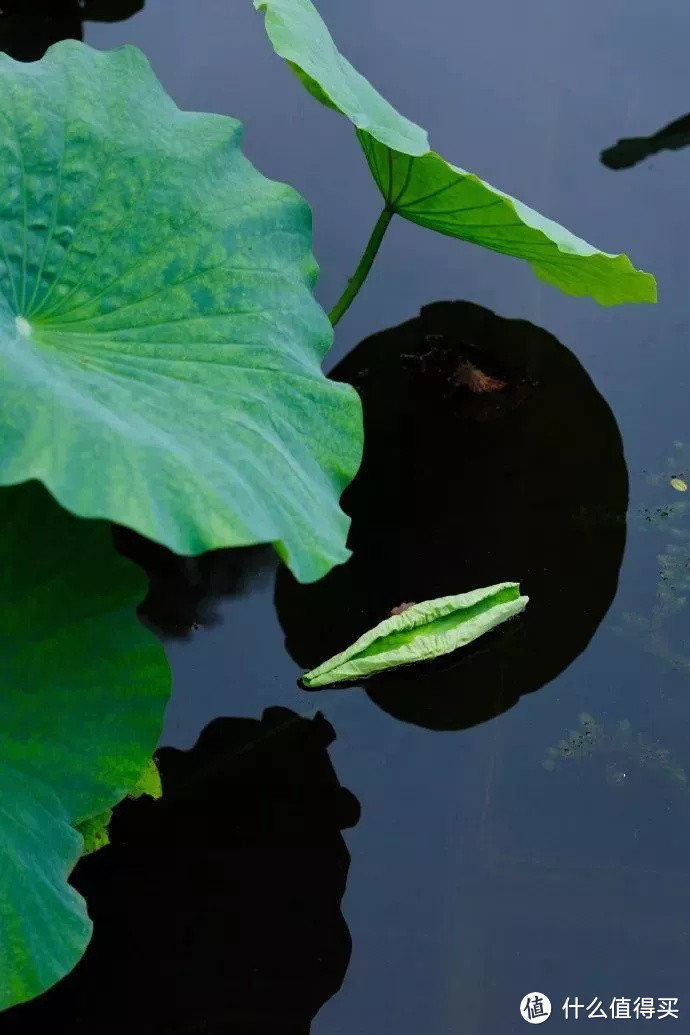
x=657 y=631
x=624 y=751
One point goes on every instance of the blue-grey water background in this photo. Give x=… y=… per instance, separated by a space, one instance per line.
x=477 y=874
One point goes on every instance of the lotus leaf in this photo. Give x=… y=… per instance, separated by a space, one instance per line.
x=421 y=186
x=441 y=197
x=81 y=711
x=300 y=36
x=95 y=831
x=160 y=345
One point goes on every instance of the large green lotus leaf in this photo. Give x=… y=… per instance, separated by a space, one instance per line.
x=83 y=694
x=160 y=345
x=424 y=188
x=421 y=632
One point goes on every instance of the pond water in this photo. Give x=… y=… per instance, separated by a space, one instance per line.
x=517 y=818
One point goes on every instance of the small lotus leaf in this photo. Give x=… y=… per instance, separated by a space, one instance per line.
x=420 y=632
x=300 y=36
x=424 y=188
x=441 y=197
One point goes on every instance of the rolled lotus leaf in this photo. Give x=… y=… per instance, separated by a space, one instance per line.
x=422 y=632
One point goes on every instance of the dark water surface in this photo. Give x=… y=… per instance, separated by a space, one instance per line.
x=525 y=809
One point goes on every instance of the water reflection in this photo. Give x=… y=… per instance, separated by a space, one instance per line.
x=489 y=456
x=216 y=909
x=631 y=150
x=29 y=27
x=184 y=591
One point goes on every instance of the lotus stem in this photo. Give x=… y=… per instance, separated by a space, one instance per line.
x=360 y=274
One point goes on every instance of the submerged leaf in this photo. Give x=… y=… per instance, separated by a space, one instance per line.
x=84 y=689
x=160 y=345
x=421 y=632
x=421 y=186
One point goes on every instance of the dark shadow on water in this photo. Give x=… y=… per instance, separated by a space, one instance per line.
x=631 y=150
x=29 y=27
x=489 y=456
x=183 y=591
x=216 y=909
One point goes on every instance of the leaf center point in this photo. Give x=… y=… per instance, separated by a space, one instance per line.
x=23 y=326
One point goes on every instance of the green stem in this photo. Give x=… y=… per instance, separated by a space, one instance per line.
x=356 y=281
